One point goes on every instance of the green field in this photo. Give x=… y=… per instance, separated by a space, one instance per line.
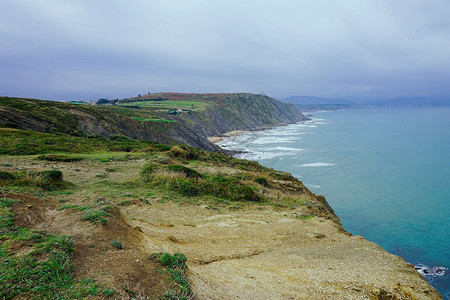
x=169 y=104
x=152 y=120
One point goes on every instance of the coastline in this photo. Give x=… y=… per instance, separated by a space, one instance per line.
x=218 y=139
x=430 y=279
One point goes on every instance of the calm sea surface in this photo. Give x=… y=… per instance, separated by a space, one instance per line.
x=385 y=171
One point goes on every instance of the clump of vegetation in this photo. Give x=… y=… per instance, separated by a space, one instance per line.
x=120 y=138
x=7 y=202
x=108 y=292
x=152 y=120
x=189 y=182
x=6 y=176
x=282 y=175
x=117 y=244
x=94 y=213
x=59 y=158
x=190 y=173
x=305 y=217
x=175 y=266
x=44 y=272
x=95 y=216
x=262 y=181
x=47 y=180
x=185 y=187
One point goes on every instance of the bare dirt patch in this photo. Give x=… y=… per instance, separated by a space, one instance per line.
x=129 y=270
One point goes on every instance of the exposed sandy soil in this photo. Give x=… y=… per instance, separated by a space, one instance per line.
x=255 y=252
x=217 y=139
x=267 y=254
x=128 y=271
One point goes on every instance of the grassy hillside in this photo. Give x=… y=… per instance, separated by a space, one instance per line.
x=216 y=114
x=168 y=118
x=96 y=121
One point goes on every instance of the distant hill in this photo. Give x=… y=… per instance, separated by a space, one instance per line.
x=320 y=107
x=316 y=100
x=413 y=101
x=310 y=103
x=215 y=114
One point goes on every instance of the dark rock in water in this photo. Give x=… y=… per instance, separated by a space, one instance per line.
x=427 y=271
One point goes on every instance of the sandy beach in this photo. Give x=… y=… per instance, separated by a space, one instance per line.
x=217 y=139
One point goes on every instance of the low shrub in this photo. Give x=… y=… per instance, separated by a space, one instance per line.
x=51 y=180
x=95 y=216
x=175 y=266
x=59 y=158
x=117 y=244
x=7 y=202
x=47 y=180
x=119 y=138
x=185 y=187
x=190 y=173
x=262 y=181
x=231 y=188
x=6 y=176
x=186 y=152
x=189 y=182
x=108 y=292
x=94 y=213
x=147 y=171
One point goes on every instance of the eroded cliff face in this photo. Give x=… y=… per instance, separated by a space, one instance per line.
x=81 y=120
x=241 y=112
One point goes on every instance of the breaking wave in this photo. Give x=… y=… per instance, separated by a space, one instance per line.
x=430 y=271
x=317 y=164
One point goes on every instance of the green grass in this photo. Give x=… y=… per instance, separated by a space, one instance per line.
x=169 y=104
x=59 y=157
x=117 y=244
x=43 y=270
x=152 y=120
x=306 y=217
x=175 y=266
x=188 y=182
x=95 y=213
x=25 y=142
x=46 y=180
x=108 y=292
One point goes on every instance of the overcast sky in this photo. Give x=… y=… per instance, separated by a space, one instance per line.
x=74 y=50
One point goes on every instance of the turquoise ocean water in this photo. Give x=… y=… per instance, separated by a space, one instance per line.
x=385 y=171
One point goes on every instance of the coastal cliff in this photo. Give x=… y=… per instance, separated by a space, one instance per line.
x=85 y=120
x=240 y=112
x=247 y=231
x=222 y=113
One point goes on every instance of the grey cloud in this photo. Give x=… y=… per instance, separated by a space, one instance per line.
x=88 y=49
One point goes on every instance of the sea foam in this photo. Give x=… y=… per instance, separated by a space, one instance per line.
x=317 y=164
x=430 y=271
